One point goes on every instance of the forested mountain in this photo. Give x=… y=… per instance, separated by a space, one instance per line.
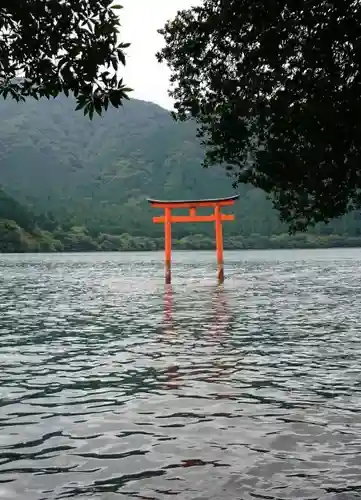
x=103 y=171
x=72 y=173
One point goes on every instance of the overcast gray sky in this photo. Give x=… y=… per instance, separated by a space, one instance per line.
x=140 y=20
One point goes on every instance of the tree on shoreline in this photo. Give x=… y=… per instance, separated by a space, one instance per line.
x=275 y=88
x=48 y=47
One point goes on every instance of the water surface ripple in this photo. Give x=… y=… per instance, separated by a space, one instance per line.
x=114 y=386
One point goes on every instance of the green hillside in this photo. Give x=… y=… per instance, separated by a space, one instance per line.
x=19 y=229
x=73 y=173
x=54 y=159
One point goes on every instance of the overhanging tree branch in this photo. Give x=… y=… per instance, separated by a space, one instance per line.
x=275 y=88
x=52 y=46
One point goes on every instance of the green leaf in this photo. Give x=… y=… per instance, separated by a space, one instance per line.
x=114 y=99
x=126 y=89
x=80 y=106
x=121 y=56
x=98 y=107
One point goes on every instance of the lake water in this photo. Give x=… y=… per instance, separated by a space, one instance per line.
x=113 y=386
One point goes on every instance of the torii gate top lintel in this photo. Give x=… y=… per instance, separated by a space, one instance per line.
x=217 y=217
x=207 y=202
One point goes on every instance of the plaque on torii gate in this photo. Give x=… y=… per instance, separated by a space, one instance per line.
x=217 y=217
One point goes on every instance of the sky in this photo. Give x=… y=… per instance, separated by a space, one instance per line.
x=140 y=20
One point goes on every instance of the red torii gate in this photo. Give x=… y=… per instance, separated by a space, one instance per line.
x=217 y=217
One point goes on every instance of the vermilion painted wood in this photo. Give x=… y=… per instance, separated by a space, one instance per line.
x=222 y=202
x=167 y=244
x=217 y=217
x=219 y=242
x=196 y=218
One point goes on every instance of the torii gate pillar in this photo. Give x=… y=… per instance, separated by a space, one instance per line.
x=217 y=217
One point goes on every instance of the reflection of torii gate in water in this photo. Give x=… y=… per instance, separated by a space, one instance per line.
x=220 y=323
x=217 y=217
x=220 y=318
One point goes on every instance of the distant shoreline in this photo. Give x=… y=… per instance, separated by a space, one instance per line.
x=16 y=239
x=176 y=248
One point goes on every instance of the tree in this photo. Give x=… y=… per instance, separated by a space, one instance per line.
x=52 y=46
x=275 y=87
